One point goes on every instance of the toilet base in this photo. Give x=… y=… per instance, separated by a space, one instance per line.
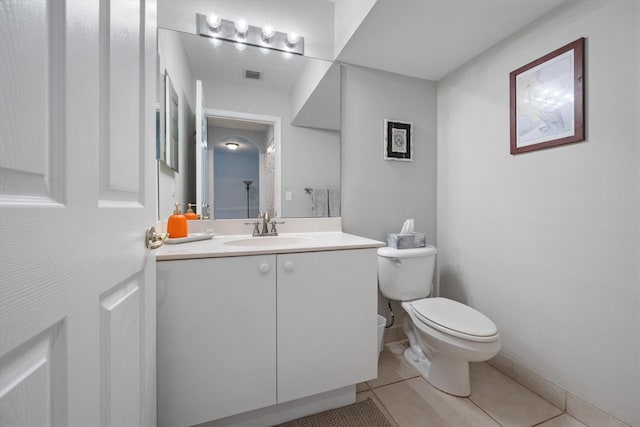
x=448 y=375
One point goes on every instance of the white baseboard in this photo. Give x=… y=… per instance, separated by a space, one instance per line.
x=579 y=409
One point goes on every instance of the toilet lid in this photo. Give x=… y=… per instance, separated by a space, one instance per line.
x=454 y=318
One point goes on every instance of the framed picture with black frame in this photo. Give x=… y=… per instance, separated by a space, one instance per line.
x=398 y=140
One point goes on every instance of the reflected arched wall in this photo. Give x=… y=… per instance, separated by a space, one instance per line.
x=230 y=169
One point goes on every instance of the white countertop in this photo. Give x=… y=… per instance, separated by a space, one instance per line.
x=219 y=246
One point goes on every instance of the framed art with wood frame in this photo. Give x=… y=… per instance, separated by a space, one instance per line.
x=398 y=140
x=547 y=100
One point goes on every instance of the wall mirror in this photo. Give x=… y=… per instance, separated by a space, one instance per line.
x=258 y=129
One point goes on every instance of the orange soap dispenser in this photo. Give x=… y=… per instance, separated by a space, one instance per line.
x=190 y=214
x=177 y=224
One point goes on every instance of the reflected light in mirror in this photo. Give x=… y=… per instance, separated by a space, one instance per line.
x=232 y=145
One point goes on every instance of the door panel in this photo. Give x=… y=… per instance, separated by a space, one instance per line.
x=120 y=338
x=28 y=375
x=121 y=138
x=32 y=74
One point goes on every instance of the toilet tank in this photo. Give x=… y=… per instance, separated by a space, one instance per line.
x=406 y=274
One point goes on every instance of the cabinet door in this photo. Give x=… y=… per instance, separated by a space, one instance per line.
x=327 y=306
x=216 y=338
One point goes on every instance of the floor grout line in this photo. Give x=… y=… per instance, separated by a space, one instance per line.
x=549 y=419
x=393 y=382
x=482 y=409
x=384 y=406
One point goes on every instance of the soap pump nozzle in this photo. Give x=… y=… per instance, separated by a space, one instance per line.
x=190 y=214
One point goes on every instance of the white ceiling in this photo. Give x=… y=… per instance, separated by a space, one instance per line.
x=430 y=38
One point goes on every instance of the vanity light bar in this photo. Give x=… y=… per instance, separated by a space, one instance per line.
x=253 y=36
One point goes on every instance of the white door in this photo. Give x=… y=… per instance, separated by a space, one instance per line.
x=202 y=160
x=77 y=286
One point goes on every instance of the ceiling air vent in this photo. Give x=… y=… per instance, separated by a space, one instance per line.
x=252 y=74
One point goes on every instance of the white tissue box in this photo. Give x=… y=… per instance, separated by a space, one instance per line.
x=406 y=241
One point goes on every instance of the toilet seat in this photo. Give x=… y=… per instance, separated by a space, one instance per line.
x=456 y=319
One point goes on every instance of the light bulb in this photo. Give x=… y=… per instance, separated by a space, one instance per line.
x=214 y=21
x=241 y=27
x=232 y=145
x=292 y=38
x=267 y=32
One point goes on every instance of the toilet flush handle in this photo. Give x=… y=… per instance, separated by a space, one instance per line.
x=396 y=261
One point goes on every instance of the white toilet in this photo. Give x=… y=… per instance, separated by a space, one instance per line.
x=444 y=335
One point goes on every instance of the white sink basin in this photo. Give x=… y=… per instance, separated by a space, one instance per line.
x=268 y=241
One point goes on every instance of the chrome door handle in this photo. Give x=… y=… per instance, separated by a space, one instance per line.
x=153 y=240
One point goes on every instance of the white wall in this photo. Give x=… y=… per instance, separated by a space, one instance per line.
x=173 y=59
x=547 y=243
x=377 y=194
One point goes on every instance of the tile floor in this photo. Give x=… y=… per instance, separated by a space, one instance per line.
x=407 y=400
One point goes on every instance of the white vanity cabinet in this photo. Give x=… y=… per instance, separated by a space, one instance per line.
x=216 y=337
x=327 y=304
x=240 y=333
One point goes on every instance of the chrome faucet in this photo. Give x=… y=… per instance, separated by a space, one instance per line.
x=261 y=226
x=265 y=222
